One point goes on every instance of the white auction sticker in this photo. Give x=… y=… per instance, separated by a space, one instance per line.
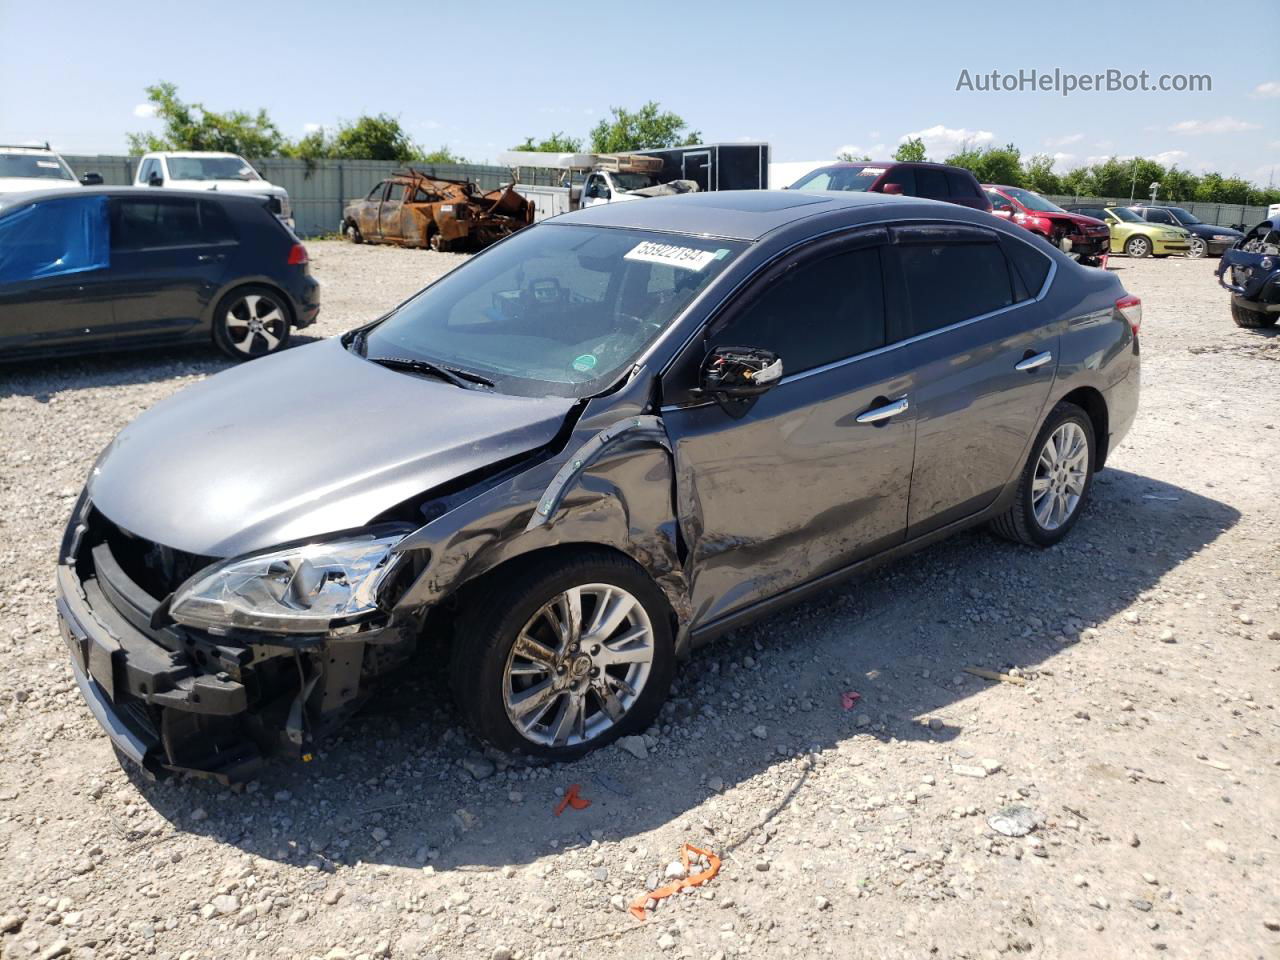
x=48 y=164
x=673 y=255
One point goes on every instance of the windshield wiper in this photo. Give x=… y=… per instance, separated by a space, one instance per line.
x=459 y=378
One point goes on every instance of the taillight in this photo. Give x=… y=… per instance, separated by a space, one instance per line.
x=297 y=255
x=1130 y=308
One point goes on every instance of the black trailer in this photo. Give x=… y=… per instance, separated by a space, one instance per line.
x=716 y=166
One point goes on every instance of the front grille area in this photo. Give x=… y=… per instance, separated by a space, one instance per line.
x=157 y=569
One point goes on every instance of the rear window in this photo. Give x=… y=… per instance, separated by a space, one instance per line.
x=165 y=222
x=963 y=185
x=1031 y=264
x=33 y=166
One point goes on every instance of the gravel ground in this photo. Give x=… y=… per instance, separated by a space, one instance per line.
x=1144 y=742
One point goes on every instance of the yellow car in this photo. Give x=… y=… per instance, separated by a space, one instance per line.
x=1133 y=236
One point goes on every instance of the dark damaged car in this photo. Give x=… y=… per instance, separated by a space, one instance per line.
x=564 y=465
x=1251 y=273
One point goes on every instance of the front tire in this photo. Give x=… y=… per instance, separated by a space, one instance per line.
x=1198 y=249
x=252 y=321
x=1138 y=247
x=1056 y=481
x=353 y=232
x=556 y=662
x=436 y=242
x=1252 y=319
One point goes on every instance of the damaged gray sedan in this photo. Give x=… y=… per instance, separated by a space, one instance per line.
x=590 y=448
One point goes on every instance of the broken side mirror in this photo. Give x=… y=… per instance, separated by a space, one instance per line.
x=91 y=180
x=739 y=372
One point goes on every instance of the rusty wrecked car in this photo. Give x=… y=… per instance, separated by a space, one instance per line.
x=566 y=463
x=414 y=210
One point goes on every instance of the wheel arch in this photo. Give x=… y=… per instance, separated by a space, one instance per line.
x=240 y=283
x=1092 y=401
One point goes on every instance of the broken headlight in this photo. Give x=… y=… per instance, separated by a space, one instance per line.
x=305 y=589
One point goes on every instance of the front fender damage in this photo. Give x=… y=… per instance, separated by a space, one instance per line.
x=613 y=487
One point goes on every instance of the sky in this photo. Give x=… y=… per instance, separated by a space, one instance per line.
x=811 y=80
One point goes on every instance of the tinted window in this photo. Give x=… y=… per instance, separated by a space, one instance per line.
x=820 y=312
x=905 y=177
x=962 y=185
x=950 y=282
x=1160 y=216
x=1096 y=212
x=998 y=202
x=215 y=225
x=931 y=183
x=136 y=224
x=1032 y=265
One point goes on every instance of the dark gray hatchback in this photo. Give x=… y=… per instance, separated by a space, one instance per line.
x=560 y=467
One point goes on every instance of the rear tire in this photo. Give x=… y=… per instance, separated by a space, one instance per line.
x=252 y=321
x=492 y=679
x=436 y=242
x=1058 y=475
x=1137 y=247
x=1252 y=319
x=353 y=232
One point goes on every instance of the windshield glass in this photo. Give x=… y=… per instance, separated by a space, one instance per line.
x=1128 y=216
x=1185 y=216
x=210 y=168
x=858 y=179
x=1033 y=201
x=33 y=165
x=556 y=310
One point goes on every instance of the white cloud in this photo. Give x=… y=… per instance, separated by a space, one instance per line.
x=1064 y=141
x=311 y=128
x=1269 y=89
x=1216 y=125
x=1064 y=160
x=940 y=140
x=145 y=110
x=874 y=134
x=1168 y=158
x=1104 y=157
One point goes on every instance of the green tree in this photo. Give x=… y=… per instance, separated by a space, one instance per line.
x=439 y=155
x=1038 y=175
x=558 y=142
x=1112 y=178
x=192 y=126
x=1077 y=182
x=1178 y=185
x=910 y=150
x=648 y=128
x=845 y=156
x=1001 y=165
x=377 y=137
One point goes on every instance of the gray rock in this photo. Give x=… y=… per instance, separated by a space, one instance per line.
x=1013 y=821
x=760 y=732
x=225 y=904
x=666 y=942
x=482 y=768
x=634 y=746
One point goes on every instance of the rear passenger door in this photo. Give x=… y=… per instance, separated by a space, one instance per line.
x=168 y=257
x=794 y=484
x=984 y=354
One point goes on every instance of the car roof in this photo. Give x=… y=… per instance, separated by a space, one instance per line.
x=27 y=196
x=193 y=153
x=729 y=214
x=25 y=148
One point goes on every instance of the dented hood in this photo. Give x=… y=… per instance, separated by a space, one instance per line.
x=307 y=442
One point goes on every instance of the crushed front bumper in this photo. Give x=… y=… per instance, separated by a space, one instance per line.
x=1252 y=278
x=177 y=700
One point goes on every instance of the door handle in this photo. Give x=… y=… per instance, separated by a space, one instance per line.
x=884 y=413
x=1035 y=362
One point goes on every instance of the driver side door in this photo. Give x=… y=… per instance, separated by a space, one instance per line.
x=814 y=474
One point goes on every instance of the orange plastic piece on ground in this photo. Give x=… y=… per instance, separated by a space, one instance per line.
x=572 y=799
x=693 y=880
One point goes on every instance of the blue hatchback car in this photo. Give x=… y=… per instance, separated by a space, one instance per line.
x=118 y=268
x=1254 y=280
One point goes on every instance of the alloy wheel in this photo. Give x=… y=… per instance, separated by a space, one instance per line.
x=1061 y=471
x=1138 y=247
x=1197 y=248
x=578 y=666
x=256 y=324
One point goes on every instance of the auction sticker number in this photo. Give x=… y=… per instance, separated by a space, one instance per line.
x=671 y=254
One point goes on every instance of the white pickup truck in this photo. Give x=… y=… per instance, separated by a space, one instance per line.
x=206 y=170
x=587 y=179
